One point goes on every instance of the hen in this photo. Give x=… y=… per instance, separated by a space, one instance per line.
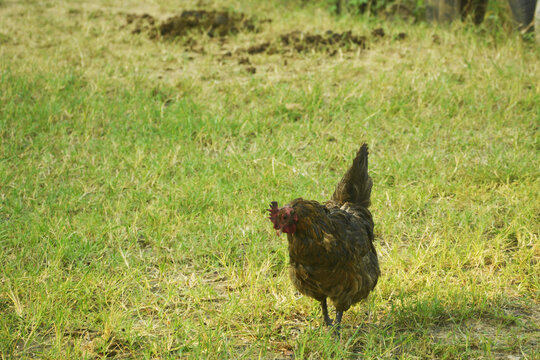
x=331 y=245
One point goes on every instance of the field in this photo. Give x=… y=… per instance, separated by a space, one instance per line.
x=138 y=155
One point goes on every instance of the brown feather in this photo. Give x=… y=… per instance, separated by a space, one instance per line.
x=331 y=252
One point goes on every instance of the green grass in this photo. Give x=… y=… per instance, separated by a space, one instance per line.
x=134 y=177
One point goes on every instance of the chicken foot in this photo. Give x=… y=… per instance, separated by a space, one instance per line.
x=329 y=322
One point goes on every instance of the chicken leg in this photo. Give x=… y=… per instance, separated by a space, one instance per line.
x=324 y=307
x=339 y=315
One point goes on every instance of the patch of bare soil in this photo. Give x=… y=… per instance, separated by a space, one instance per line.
x=211 y=22
x=378 y=33
x=214 y=23
x=302 y=42
x=329 y=42
x=220 y=24
x=141 y=23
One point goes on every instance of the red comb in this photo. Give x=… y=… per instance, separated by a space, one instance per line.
x=273 y=213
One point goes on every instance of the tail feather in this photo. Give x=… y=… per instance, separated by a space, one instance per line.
x=355 y=186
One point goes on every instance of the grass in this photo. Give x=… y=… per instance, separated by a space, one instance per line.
x=134 y=174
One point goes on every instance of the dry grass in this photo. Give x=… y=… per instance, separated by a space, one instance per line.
x=134 y=174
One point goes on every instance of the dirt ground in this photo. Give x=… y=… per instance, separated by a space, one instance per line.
x=195 y=30
x=189 y=25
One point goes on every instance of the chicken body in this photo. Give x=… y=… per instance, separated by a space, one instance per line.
x=331 y=245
